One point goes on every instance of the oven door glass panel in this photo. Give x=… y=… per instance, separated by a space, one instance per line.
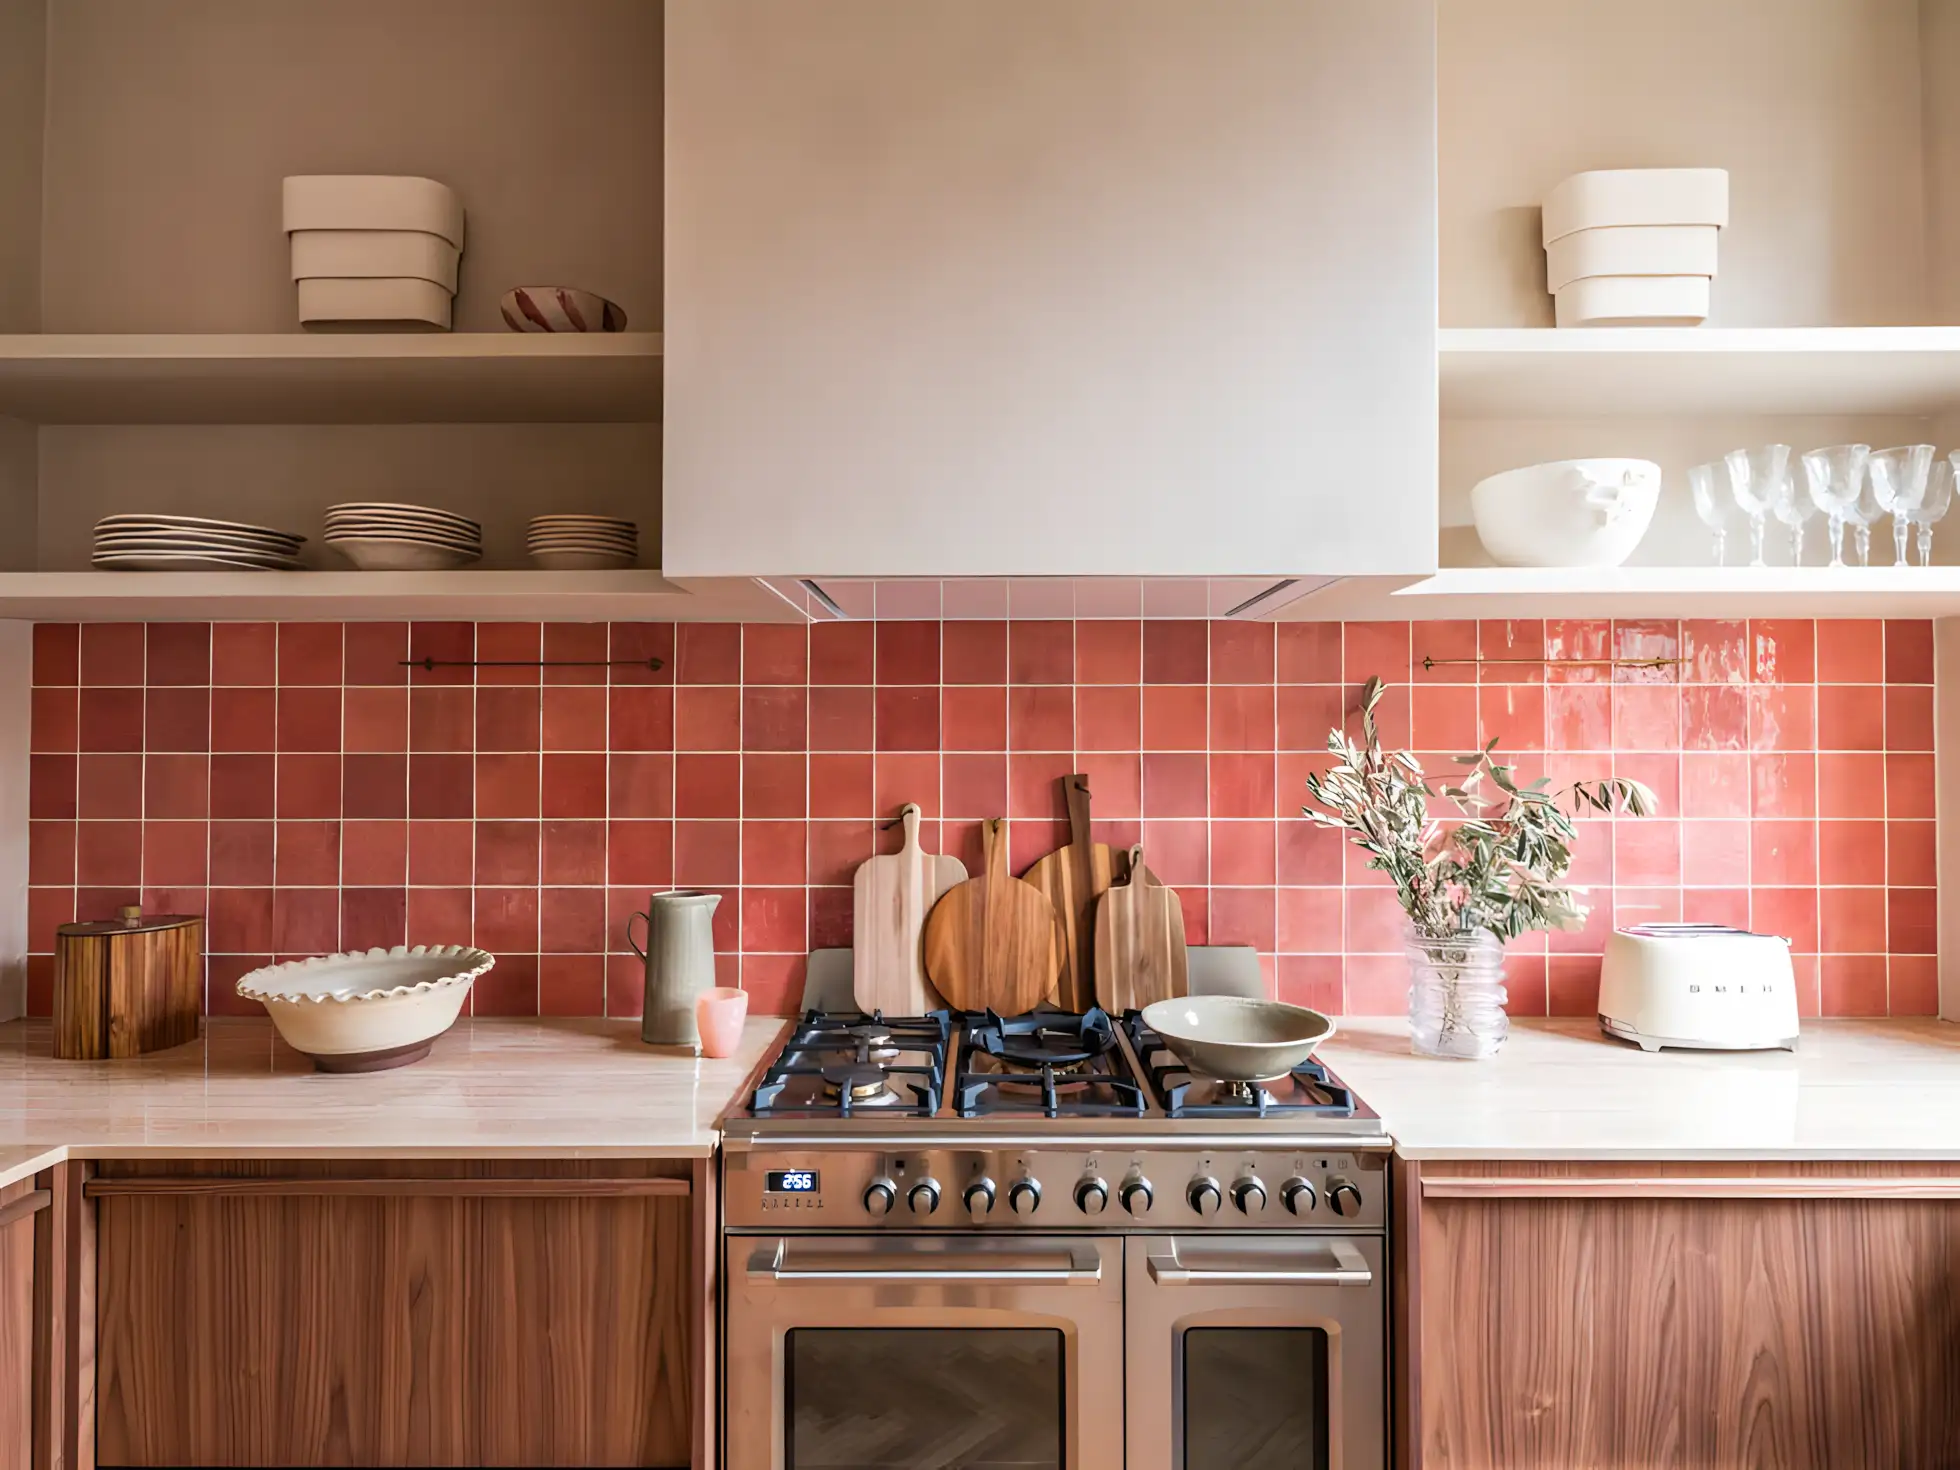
x=968 y=1398
x=1253 y=1398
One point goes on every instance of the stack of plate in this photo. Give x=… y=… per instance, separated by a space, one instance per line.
x=583 y=543
x=379 y=537
x=147 y=543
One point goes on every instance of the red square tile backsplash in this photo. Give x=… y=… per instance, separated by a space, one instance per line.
x=305 y=791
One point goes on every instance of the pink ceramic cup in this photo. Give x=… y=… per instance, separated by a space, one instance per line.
x=718 y=1016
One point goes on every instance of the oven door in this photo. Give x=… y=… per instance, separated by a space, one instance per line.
x=949 y=1351
x=1256 y=1353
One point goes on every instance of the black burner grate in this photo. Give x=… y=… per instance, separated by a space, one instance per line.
x=1044 y=1064
x=826 y=1067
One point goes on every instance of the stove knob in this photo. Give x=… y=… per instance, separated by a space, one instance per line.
x=1298 y=1196
x=924 y=1197
x=1204 y=1196
x=1092 y=1196
x=1344 y=1197
x=879 y=1197
x=1136 y=1195
x=1248 y=1194
x=979 y=1197
x=1023 y=1198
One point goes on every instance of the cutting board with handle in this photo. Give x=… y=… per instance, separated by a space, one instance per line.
x=1139 y=942
x=1073 y=878
x=890 y=898
x=993 y=941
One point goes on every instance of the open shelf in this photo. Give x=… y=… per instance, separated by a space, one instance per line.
x=293 y=378
x=1603 y=372
x=565 y=597
x=1636 y=592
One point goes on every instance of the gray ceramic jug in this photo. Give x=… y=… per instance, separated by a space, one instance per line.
x=680 y=961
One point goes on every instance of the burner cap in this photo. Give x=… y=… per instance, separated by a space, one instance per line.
x=860 y=1083
x=1056 y=1040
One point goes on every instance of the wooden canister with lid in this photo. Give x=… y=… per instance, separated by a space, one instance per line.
x=127 y=985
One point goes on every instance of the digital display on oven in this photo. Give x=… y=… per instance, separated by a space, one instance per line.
x=790 y=1181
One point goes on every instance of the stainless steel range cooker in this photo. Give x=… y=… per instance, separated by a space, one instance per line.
x=962 y=1241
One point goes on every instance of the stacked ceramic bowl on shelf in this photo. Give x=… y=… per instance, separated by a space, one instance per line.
x=381 y=537
x=160 y=543
x=583 y=543
x=373 y=252
x=1634 y=247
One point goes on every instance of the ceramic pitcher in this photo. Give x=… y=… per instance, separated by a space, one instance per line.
x=680 y=961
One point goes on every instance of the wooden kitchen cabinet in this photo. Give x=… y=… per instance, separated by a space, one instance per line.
x=279 y=1313
x=1079 y=288
x=1709 y=1315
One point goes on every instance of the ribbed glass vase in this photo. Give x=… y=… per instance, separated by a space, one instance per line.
x=1456 y=994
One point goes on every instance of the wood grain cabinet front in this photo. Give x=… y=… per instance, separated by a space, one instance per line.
x=276 y=1314
x=1578 y=1315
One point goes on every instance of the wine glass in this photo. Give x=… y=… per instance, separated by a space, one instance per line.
x=1715 y=503
x=1835 y=476
x=1932 y=506
x=1898 y=484
x=1792 y=507
x=1754 y=475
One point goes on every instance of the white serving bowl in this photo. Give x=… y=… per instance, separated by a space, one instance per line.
x=366 y=1011
x=1570 y=513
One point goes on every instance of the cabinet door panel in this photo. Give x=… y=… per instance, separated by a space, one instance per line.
x=396 y=1331
x=1706 y=1333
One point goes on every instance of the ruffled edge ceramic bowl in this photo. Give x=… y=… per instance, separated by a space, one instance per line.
x=367 y=1010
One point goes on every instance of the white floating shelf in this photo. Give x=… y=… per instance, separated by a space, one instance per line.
x=1604 y=372
x=333 y=378
x=564 y=597
x=1638 y=592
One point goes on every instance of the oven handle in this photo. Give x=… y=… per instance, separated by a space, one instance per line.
x=1070 y=1268
x=1350 y=1269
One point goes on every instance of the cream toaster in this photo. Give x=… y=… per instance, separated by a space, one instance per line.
x=1698 y=985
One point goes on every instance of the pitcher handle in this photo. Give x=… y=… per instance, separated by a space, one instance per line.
x=629 y=934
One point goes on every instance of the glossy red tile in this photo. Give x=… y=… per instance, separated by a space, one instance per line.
x=650 y=854
x=1444 y=717
x=573 y=717
x=1909 y=717
x=572 y=920
x=441 y=915
x=1853 y=985
x=706 y=855
x=1176 y=652
x=708 y=718
x=1911 y=853
x=1041 y=717
x=1911 y=920
x=1909 y=787
x=774 y=786
x=1244 y=853
x=1308 y=653
x=306 y=854
x=373 y=917
x=507 y=785
x=57 y=653
x=244 y=653
x=973 y=718
x=310 y=653
x=776 y=719
x=572 y=852
x=1783 y=650
x=54 y=720
x=507 y=920
x=242 y=853
x=306 y=921
x=895 y=781
x=372 y=654
x=1107 y=651
x=571 y=985
x=441 y=786
x=508 y=718
x=843 y=653
x=708 y=653
x=907 y=653
x=1850 y=784
x=1242 y=786
x=1908 y=651
x=1850 y=717
x=1040 y=653
x=178 y=653
x=109 y=786
x=239 y=921
x=1850 y=650
x=507 y=853
x=1242 y=717
x=112 y=654
x=634 y=647
x=375 y=852
x=641 y=718
x=1375 y=650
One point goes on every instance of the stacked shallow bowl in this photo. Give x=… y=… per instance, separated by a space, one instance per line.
x=583 y=543
x=381 y=537
x=158 y=543
x=373 y=252
x=1634 y=247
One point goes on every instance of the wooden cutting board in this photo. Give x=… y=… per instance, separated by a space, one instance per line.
x=1073 y=878
x=1140 y=953
x=890 y=899
x=992 y=941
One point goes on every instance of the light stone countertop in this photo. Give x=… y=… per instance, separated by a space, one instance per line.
x=530 y=1088
x=1559 y=1089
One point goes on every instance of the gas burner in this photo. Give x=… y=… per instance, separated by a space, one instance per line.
x=838 y=1063
x=870 y=1042
x=864 y=1085
x=1044 y=1039
x=1183 y=1093
x=1047 y=1064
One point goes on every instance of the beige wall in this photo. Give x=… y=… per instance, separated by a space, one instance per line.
x=1814 y=107
x=174 y=121
x=23 y=47
x=1939 y=30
